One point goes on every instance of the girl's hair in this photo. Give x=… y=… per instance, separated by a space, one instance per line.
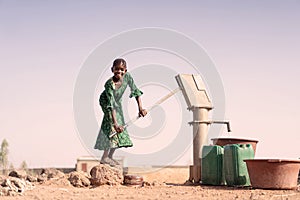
x=118 y=62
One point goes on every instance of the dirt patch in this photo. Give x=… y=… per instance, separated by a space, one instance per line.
x=168 y=183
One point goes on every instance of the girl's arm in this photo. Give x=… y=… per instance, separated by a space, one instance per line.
x=111 y=104
x=142 y=112
x=118 y=128
x=135 y=92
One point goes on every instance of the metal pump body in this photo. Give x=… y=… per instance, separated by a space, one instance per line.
x=198 y=101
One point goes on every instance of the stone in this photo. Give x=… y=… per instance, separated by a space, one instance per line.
x=22 y=174
x=13 y=186
x=2 y=178
x=18 y=174
x=79 y=179
x=52 y=173
x=103 y=174
x=31 y=178
x=4 y=191
x=42 y=178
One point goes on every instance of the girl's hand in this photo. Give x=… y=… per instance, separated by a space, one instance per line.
x=118 y=129
x=142 y=113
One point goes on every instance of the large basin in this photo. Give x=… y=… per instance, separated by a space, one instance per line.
x=222 y=141
x=273 y=173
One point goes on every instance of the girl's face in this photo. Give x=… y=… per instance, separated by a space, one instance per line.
x=119 y=71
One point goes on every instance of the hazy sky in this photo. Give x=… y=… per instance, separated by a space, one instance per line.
x=255 y=46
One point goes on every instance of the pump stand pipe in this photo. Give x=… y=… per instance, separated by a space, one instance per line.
x=200 y=131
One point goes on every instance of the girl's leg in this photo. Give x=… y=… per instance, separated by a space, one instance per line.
x=105 y=154
x=111 y=153
x=106 y=160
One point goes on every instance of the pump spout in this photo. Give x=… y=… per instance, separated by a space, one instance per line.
x=223 y=122
x=212 y=122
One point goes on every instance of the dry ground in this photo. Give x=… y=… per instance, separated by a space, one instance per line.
x=166 y=184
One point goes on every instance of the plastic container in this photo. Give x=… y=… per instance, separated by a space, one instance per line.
x=133 y=180
x=212 y=165
x=222 y=141
x=273 y=173
x=235 y=169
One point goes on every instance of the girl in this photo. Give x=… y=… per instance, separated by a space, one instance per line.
x=113 y=119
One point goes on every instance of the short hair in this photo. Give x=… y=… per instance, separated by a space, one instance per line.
x=118 y=62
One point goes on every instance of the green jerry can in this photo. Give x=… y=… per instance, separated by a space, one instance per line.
x=212 y=165
x=235 y=169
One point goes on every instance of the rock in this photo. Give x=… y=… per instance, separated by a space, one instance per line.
x=42 y=178
x=22 y=174
x=4 y=191
x=60 y=182
x=153 y=184
x=13 y=186
x=31 y=178
x=146 y=184
x=104 y=174
x=79 y=179
x=18 y=174
x=2 y=178
x=52 y=173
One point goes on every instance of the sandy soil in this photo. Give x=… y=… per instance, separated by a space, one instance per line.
x=166 y=184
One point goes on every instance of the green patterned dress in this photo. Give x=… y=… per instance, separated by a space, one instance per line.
x=112 y=98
